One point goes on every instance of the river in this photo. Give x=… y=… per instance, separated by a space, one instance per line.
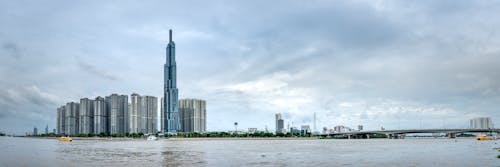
x=19 y=151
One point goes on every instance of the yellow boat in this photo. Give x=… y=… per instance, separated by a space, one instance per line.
x=483 y=137
x=65 y=139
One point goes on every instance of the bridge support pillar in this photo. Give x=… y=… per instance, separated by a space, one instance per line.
x=452 y=135
x=348 y=136
x=367 y=136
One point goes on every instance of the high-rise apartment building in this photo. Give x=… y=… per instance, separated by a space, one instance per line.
x=279 y=123
x=170 y=94
x=193 y=114
x=72 y=118
x=101 y=116
x=143 y=114
x=134 y=113
x=481 y=123
x=150 y=115
x=86 y=116
x=61 y=120
x=117 y=105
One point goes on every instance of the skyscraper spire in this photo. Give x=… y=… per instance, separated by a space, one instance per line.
x=170 y=35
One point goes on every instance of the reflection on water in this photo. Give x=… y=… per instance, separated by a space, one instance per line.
x=374 y=152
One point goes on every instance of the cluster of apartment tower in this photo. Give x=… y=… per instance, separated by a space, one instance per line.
x=115 y=115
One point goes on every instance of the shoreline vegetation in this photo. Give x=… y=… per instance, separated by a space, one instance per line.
x=207 y=135
x=185 y=135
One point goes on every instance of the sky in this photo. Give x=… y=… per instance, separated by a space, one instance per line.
x=392 y=64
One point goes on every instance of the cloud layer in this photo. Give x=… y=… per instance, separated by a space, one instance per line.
x=412 y=64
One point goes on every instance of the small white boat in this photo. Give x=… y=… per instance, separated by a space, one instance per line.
x=152 y=138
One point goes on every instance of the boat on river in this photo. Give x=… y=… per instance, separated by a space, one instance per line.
x=65 y=139
x=484 y=137
x=152 y=138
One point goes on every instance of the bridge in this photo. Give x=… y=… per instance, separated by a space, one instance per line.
x=395 y=134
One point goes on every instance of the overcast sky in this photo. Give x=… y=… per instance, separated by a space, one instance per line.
x=396 y=64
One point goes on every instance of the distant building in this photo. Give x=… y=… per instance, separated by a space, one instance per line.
x=252 y=130
x=360 y=127
x=35 y=131
x=54 y=131
x=47 y=129
x=280 y=124
x=305 y=129
x=61 y=120
x=481 y=123
x=101 y=116
x=325 y=130
x=86 y=116
x=72 y=118
x=294 y=131
x=143 y=114
x=192 y=114
x=150 y=115
x=135 y=112
x=117 y=105
x=341 y=128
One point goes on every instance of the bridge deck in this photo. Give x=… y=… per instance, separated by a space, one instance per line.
x=405 y=131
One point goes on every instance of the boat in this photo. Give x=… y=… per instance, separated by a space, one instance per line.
x=152 y=138
x=65 y=139
x=484 y=137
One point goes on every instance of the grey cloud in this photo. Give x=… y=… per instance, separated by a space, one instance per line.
x=95 y=71
x=12 y=50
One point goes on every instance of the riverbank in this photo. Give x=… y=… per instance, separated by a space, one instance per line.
x=184 y=138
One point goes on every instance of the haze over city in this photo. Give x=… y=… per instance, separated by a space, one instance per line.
x=400 y=65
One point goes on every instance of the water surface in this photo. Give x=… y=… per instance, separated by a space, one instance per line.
x=372 y=152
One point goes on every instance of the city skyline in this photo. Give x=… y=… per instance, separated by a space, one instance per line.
x=373 y=63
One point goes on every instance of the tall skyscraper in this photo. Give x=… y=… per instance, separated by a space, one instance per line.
x=193 y=114
x=170 y=94
x=279 y=124
x=101 y=116
x=117 y=105
x=47 y=129
x=86 y=117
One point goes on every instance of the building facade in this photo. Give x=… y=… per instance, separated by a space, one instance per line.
x=101 y=116
x=150 y=115
x=280 y=124
x=170 y=94
x=61 y=120
x=481 y=123
x=193 y=114
x=117 y=105
x=162 y=113
x=86 y=116
x=72 y=118
x=134 y=113
x=143 y=114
